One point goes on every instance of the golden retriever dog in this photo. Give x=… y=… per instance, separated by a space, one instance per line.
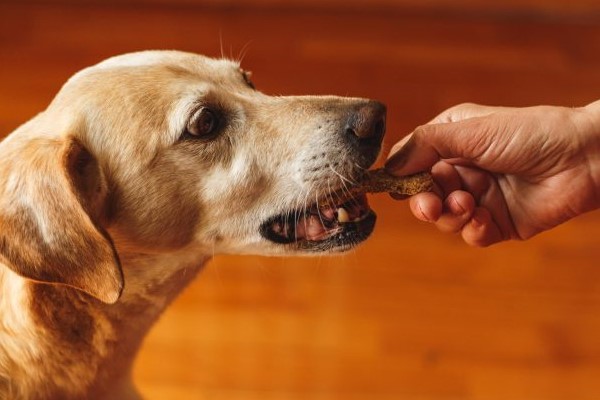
x=140 y=170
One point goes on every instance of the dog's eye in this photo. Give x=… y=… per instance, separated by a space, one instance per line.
x=204 y=124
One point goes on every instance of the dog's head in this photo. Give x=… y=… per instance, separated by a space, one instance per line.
x=160 y=151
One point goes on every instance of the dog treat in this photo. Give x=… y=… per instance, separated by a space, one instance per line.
x=379 y=181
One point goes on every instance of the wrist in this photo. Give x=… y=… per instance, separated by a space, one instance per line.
x=590 y=132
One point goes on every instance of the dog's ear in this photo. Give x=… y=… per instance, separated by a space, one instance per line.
x=52 y=193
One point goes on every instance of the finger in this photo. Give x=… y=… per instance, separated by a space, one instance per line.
x=474 y=180
x=487 y=193
x=481 y=231
x=457 y=211
x=429 y=143
x=446 y=178
x=446 y=121
x=399 y=145
x=419 y=155
x=454 y=114
x=426 y=206
x=465 y=111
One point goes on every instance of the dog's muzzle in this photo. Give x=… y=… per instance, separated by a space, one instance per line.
x=341 y=219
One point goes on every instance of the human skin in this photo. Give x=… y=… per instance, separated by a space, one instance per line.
x=504 y=173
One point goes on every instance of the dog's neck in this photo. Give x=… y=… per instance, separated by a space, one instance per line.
x=53 y=336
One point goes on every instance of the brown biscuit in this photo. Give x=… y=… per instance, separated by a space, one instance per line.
x=378 y=181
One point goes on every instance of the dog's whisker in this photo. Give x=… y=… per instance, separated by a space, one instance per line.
x=343 y=178
x=332 y=192
x=360 y=167
x=345 y=187
x=318 y=210
x=221 y=43
x=244 y=51
x=305 y=210
x=329 y=191
x=298 y=212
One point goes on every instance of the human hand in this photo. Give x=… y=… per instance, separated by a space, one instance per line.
x=504 y=173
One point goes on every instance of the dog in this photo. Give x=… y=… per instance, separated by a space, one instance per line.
x=141 y=169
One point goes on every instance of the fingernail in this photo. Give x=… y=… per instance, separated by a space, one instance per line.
x=397 y=160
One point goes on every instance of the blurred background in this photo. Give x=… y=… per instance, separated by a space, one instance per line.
x=413 y=313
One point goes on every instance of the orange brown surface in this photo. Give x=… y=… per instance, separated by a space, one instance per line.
x=413 y=313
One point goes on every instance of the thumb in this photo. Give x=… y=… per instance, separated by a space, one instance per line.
x=430 y=143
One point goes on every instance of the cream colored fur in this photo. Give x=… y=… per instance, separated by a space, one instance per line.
x=106 y=213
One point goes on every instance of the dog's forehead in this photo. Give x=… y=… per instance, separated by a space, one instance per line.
x=194 y=64
x=168 y=58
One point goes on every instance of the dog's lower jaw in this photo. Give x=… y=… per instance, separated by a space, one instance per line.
x=57 y=342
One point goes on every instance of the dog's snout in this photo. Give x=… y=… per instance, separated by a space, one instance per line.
x=367 y=124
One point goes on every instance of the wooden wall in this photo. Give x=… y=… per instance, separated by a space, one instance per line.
x=413 y=314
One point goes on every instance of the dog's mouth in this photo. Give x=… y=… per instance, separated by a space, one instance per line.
x=327 y=225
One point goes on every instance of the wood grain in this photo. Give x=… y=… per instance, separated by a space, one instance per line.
x=412 y=314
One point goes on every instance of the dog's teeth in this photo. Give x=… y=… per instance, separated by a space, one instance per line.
x=342 y=215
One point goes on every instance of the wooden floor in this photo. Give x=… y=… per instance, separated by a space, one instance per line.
x=413 y=314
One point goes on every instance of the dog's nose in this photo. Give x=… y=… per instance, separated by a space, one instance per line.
x=367 y=124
